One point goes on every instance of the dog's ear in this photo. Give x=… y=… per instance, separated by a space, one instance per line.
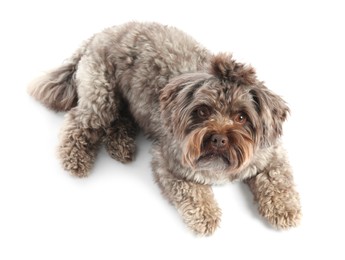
x=176 y=96
x=224 y=67
x=272 y=110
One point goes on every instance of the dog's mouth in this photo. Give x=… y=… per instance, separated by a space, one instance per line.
x=214 y=156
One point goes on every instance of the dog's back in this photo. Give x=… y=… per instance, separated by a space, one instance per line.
x=131 y=55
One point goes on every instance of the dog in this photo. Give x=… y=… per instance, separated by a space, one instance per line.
x=210 y=118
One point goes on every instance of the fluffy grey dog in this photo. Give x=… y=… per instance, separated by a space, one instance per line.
x=211 y=120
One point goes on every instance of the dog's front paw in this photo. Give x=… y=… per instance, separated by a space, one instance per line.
x=282 y=212
x=203 y=219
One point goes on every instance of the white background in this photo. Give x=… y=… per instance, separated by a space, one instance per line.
x=117 y=212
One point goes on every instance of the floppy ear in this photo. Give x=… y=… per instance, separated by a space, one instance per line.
x=224 y=67
x=272 y=110
x=176 y=96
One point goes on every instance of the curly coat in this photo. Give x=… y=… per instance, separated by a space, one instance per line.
x=210 y=118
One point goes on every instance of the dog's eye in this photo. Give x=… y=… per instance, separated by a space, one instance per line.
x=240 y=118
x=203 y=112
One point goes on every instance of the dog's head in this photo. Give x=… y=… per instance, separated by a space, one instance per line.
x=221 y=116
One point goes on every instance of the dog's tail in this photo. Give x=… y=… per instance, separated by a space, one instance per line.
x=57 y=89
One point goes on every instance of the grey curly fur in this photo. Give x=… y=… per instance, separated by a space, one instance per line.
x=210 y=118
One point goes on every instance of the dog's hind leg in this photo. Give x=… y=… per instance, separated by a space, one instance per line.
x=85 y=124
x=78 y=145
x=119 y=139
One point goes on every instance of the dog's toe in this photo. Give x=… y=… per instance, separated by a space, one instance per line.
x=205 y=226
x=77 y=153
x=282 y=213
x=121 y=151
x=202 y=220
x=285 y=219
x=77 y=161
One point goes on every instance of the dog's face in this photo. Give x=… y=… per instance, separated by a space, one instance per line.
x=222 y=117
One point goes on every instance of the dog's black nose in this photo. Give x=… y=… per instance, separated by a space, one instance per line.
x=219 y=141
